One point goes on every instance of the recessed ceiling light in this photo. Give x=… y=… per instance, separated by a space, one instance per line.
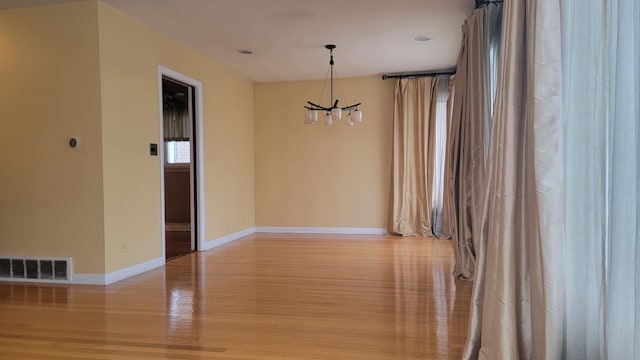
x=246 y=51
x=422 y=38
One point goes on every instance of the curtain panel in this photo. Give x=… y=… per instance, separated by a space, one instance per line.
x=414 y=124
x=517 y=305
x=465 y=147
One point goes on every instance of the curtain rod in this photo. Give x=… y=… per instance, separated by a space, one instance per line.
x=417 y=74
x=480 y=3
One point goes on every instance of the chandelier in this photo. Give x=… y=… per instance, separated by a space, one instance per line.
x=333 y=111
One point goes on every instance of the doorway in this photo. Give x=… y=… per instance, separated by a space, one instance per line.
x=179 y=167
x=192 y=88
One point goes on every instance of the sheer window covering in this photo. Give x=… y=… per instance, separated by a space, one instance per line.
x=437 y=202
x=601 y=44
x=450 y=166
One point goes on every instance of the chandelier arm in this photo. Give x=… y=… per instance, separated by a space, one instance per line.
x=351 y=107
x=316 y=107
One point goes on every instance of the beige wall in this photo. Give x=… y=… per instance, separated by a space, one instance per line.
x=322 y=176
x=51 y=194
x=83 y=70
x=129 y=56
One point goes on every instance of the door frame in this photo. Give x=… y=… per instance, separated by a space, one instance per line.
x=199 y=158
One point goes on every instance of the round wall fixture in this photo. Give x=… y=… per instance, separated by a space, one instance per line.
x=73 y=142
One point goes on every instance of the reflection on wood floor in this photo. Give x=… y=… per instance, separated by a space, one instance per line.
x=177 y=243
x=261 y=297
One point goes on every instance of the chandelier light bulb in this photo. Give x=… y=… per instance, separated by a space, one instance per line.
x=308 y=118
x=311 y=117
x=336 y=113
x=328 y=119
x=356 y=116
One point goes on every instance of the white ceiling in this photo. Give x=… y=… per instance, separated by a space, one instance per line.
x=288 y=36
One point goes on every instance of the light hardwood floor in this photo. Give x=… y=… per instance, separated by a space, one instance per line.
x=261 y=297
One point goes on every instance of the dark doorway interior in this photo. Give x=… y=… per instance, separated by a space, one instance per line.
x=179 y=190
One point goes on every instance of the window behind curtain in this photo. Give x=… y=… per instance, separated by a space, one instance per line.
x=439 y=156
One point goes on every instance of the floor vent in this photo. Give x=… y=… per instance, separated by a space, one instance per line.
x=35 y=269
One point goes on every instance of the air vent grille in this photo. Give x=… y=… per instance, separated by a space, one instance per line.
x=35 y=269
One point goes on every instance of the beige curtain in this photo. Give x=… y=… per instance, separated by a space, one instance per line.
x=517 y=305
x=413 y=146
x=465 y=146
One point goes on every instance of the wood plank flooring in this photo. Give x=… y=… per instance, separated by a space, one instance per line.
x=267 y=296
x=177 y=243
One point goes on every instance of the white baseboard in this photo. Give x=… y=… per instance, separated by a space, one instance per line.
x=320 y=230
x=88 y=279
x=228 y=238
x=136 y=269
x=110 y=278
